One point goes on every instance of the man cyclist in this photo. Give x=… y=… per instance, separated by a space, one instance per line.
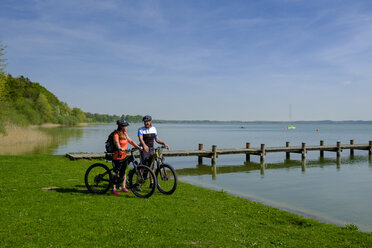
x=146 y=135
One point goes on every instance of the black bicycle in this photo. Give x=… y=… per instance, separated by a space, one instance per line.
x=99 y=178
x=165 y=173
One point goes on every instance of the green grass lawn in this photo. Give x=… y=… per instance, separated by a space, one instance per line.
x=44 y=203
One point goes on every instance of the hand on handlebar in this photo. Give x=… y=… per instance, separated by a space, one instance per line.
x=146 y=148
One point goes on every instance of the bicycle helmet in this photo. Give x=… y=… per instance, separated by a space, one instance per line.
x=122 y=123
x=147 y=118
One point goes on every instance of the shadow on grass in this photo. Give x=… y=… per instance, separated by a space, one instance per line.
x=81 y=189
x=77 y=189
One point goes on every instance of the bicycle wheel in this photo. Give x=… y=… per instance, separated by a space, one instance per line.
x=167 y=179
x=98 y=179
x=142 y=181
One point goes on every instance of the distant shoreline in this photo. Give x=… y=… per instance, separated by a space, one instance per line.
x=259 y=122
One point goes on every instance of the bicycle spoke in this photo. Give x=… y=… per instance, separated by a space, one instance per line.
x=142 y=181
x=97 y=179
x=167 y=179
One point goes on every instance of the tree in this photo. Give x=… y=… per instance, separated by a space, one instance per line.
x=2 y=60
x=79 y=114
x=2 y=86
x=44 y=108
x=2 y=89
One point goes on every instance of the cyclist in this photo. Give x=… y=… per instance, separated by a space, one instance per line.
x=121 y=139
x=146 y=135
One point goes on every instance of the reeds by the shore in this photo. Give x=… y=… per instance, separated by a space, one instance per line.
x=22 y=140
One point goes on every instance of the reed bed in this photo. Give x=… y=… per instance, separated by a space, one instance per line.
x=22 y=140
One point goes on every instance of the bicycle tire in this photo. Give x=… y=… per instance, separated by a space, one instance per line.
x=140 y=183
x=167 y=179
x=98 y=178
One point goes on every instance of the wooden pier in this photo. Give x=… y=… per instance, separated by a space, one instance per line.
x=261 y=151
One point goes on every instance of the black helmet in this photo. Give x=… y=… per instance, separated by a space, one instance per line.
x=147 y=118
x=123 y=123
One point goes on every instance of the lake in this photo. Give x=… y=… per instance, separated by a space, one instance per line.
x=327 y=189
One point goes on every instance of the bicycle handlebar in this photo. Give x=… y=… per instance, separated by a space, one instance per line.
x=157 y=148
x=132 y=149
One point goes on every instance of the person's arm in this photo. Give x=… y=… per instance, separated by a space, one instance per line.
x=145 y=147
x=130 y=141
x=116 y=141
x=159 y=141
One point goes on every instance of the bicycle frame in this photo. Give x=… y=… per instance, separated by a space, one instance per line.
x=157 y=157
x=127 y=161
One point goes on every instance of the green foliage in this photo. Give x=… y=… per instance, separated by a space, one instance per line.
x=44 y=203
x=2 y=90
x=133 y=118
x=101 y=117
x=79 y=114
x=2 y=102
x=27 y=102
x=2 y=60
x=351 y=227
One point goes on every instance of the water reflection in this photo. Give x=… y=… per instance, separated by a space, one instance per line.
x=62 y=136
x=249 y=167
x=338 y=162
x=303 y=166
x=262 y=168
x=53 y=137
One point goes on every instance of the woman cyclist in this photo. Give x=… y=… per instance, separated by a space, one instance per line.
x=121 y=140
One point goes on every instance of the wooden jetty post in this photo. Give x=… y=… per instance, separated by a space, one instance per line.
x=214 y=158
x=262 y=154
x=351 y=149
x=214 y=154
x=303 y=151
x=287 y=154
x=370 y=148
x=321 y=151
x=214 y=171
x=247 y=156
x=200 y=158
x=339 y=150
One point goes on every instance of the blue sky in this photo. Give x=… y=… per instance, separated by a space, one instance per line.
x=196 y=60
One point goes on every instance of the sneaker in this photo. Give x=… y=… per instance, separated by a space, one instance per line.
x=116 y=192
x=125 y=190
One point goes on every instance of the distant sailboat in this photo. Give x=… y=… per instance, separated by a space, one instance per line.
x=291 y=126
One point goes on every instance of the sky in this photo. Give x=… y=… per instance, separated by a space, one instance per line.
x=222 y=60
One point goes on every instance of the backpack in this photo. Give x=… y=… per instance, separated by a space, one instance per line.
x=110 y=146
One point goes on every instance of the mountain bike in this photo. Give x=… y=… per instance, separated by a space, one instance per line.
x=165 y=173
x=99 y=178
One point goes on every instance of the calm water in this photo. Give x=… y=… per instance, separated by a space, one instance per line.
x=331 y=190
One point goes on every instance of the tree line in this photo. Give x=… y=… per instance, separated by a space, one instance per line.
x=27 y=103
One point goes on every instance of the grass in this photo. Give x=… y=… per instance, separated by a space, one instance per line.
x=44 y=203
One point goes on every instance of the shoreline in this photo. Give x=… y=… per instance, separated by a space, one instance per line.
x=290 y=209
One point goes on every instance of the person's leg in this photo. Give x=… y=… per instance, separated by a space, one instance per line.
x=116 y=168
x=124 y=176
